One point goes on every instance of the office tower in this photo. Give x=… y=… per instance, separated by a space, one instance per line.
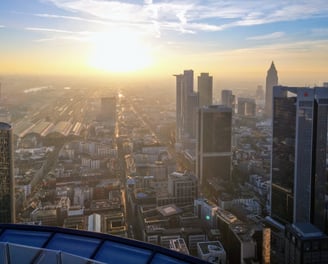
x=271 y=81
x=108 y=109
x=213 y=148
x=186 y=101
x=304 y=243
x=205 y=89
x=191 y=116
x=246 y=107
x=7 y=190
x=298 y=168
x=325 y=84
x=179 y=103
x=227 y=98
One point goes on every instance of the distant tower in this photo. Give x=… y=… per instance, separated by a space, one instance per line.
x=213 y=150
x=179 y=106
x=186 y=104
x=7 y=190
x=228 y=99
x=246 y=107
x=205 y=89
x=298 y=170
x=271 y=81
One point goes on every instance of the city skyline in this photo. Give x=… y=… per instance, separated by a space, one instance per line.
x=155 y=39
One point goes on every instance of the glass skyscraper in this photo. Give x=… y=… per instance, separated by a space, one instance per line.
x=299 y=143
x=7 y=195
x=214 y=143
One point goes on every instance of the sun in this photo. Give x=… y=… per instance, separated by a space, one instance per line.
x=119 y=51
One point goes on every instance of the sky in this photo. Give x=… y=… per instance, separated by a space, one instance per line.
x=232 y=40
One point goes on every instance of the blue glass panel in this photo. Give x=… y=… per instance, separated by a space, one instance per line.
x=19 y=254
x=112 y=252
x=46 y=257
x=162 y=259
x=3 y=258
x=69 y=259
x=28 y=238
x=77 y=245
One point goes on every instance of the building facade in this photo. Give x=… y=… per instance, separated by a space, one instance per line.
x=298 y=170
x=246 y=107
x=213 y=146
x=227 y=98
x=7 y=189
x=205 y=89
x=186 y=102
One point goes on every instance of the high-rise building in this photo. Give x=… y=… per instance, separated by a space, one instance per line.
x=227 y=98
x=246 y=106
x=271 y=81
x=191 y=115
x=186 y=104
x=7 y=190
x=213 y=148
x=179 y=103
x=304 y=243
x=298 y=167
x=205 y=89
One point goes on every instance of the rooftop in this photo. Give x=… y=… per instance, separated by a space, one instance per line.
x=41 y=244
x=206 y=247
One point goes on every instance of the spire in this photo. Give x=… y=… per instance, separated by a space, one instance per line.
x=272 y=64
x=272 y=67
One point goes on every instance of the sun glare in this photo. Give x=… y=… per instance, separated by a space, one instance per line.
x=119 y=51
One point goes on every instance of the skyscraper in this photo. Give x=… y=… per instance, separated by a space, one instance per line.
x=191 y=115
x=7 y=191
x=205 y=89
x=299 y=140
x=228 y=99
x=213 y=148
x=186 y=104
x=246 y=106
x=271 y=81
x=179 y=104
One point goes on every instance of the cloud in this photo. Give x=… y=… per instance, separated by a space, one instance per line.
x=190 y=16
x=54 y=30
x=274 y=35
x=2 y=26
x=60 y=34
x=280 y=49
